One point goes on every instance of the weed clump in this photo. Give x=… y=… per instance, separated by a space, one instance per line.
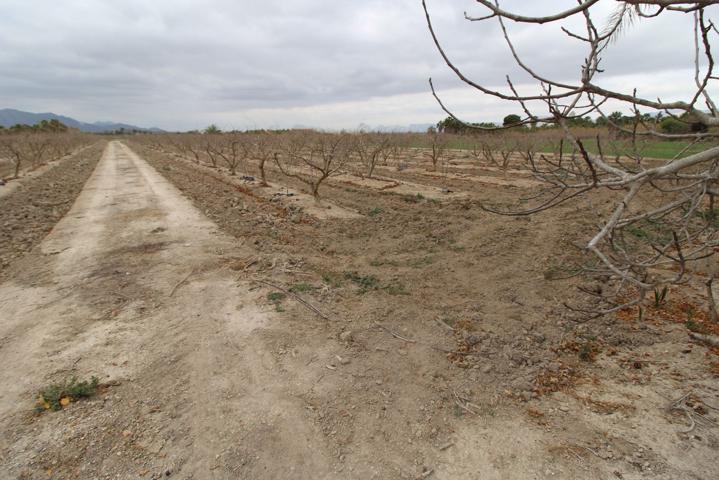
x=365 y=282
x=59 y=395
x=302 y=288
x=276 y=298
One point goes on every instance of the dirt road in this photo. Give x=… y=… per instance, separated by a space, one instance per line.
x=129 y=287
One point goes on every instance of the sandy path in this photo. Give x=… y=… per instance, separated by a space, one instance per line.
x=130 y=287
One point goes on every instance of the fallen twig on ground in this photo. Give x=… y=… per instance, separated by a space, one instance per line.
x=461 y=404
x=181 y=282
x=409 y=340
x=444 y=324
x=708 y=339
x=680 y=404
x=394 y=334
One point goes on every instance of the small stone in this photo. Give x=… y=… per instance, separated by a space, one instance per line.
x=564 y=408
x=346 y=336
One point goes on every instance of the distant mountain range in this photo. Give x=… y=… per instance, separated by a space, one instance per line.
x=10 y=117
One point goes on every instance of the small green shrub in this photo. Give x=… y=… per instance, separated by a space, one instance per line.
x=711 y=217
x=649 y=231
x=276 y=299
x=660 y=297
x=588 y=351
x=422 y=262
x=672 y=125
x=57 y=395
x=693 y=326
x=396 y=289
x=332 y=280
x=365 y=282
x=413 y=198
x=302 y=288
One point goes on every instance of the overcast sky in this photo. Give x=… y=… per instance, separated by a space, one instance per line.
x=183 y=64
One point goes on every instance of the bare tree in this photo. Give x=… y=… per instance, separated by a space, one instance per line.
x=662 y=217
x=261 y=149
x=34 y=147
x=211 y=148
x=370 y=149
x=195 y=149
x=13 y=147
x=229 y=147
x=437 y=149
x=313 y=160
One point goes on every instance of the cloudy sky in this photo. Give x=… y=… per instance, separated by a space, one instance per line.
x=183 y=64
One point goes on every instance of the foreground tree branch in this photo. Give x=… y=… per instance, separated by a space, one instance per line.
x=661 y=217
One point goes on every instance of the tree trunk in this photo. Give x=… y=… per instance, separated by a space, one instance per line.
x=262 y=173
x=17 y=167
x=713 y=315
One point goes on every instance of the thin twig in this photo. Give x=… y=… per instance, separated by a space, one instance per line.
x=461 y=404
x=409 y=340
x=444 y=324
x=708 y=339
x=394 y=334
x=182 y=282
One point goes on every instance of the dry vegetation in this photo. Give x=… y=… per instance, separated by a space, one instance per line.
x=27 y=150
x=400 y=293
x=421 y=269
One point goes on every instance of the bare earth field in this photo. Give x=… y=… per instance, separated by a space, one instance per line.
x=238 y=332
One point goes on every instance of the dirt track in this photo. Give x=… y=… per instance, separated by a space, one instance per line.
x=204 y=379
x=107 y=297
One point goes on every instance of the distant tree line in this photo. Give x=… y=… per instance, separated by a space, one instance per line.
x=683 y=124
x=43 y=126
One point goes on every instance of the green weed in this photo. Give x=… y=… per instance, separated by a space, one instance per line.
x=587 y=351
x=413 y=198
x=660 y=297
x=693 y=326
x=332 y=280
x=396 y=289
x=58 y=395
x=711 y=217
x=365 y=282
x=302 y=288
x=422 y=262
x=649 y=231
x=276 y=299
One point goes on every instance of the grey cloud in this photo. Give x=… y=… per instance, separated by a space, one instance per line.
x=176 y=63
